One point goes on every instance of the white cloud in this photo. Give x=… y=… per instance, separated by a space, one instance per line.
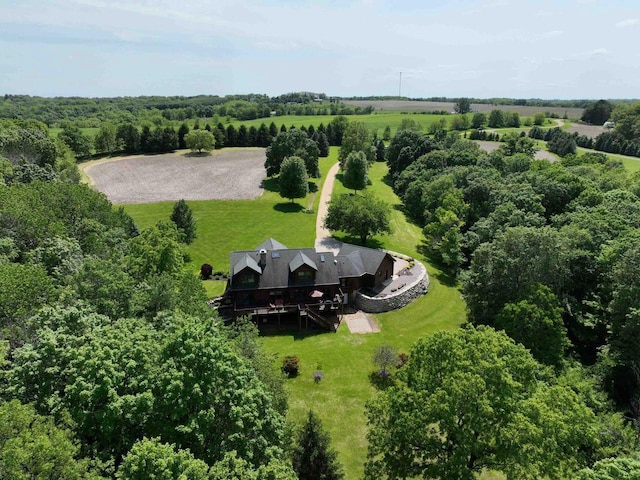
x=552 y=34
x=628 y=22
x=600 y=51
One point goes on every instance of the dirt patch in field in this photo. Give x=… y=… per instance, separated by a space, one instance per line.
x=589 y=130
x=425 y=106
x=540 y=154
x=223 y=175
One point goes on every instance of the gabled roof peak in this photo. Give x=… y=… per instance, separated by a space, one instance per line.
x=270 y=244
x=299 y=260
x=246 y=262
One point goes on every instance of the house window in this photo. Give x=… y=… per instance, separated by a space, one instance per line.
x=246 y=279
x=305 y=276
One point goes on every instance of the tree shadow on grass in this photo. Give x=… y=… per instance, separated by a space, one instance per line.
x=371 y=242
x=444 y=274
x=270 y=184
x=340 y=178
x=288 y=207
x=381 y=381
x=402 y=209
x=291 y=331
x=196 y=154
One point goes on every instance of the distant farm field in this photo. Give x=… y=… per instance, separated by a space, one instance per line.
x=418 y=106
x=231 y=174
x=376 y=122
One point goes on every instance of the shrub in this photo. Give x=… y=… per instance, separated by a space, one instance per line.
x=290 y=365
x=206 y=271
x=317 y=376
x=403 y=358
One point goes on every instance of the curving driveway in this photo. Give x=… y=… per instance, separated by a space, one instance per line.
x=324 y=241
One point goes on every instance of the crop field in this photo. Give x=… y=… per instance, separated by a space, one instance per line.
x=418 y=106
x=223 y=175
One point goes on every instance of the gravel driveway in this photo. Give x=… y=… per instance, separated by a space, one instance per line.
x=223 y=175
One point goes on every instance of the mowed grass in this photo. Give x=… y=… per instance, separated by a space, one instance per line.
x=344 y=358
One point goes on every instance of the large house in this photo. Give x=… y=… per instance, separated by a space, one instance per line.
x=272 y=282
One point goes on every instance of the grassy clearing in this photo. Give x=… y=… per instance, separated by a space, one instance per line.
x=91 y=132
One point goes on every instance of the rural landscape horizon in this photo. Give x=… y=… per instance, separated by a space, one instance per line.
x=280 y=240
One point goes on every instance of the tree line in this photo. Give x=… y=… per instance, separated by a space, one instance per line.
x=128 y=138
x=92 y=112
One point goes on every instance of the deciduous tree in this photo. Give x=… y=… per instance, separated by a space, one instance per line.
x=199 y=140
x=462 y=105
x=356 y=168
x=292 y=143
x=471 y=400
x=359 y=215
x=293 y=181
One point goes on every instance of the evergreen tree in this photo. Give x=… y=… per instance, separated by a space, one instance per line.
x=182 y=131
x=386 y=135
x=183 y=218
x=232 y=137
x=145 y=139
x=263 y=136
x=243 y=136
x=380 y=151
x=253 y=136
x=273 y=130
x=313 y=457
x=323 y=145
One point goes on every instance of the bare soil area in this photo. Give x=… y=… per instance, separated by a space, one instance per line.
x=424 y=106
x=589 y=130
x=540 y=154
x=223 y=175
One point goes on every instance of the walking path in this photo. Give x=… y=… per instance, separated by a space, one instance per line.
x=324 y=241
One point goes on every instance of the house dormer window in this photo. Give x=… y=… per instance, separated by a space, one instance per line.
x=246 y=279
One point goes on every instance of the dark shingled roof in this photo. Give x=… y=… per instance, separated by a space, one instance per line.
x=276 y=271
x=355 y=261
x=244 y=262
x=271 y=244
x=299 y=260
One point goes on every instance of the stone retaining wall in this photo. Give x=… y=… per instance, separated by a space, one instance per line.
x=398 y=299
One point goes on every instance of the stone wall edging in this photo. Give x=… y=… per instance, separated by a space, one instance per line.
x=399 y=299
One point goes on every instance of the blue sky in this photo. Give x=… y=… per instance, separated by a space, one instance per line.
x=483 y=48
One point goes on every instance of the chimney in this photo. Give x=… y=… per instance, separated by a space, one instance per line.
x=263 y=258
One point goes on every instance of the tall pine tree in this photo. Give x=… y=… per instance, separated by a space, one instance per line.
x=313 y=457
x=183 y=218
